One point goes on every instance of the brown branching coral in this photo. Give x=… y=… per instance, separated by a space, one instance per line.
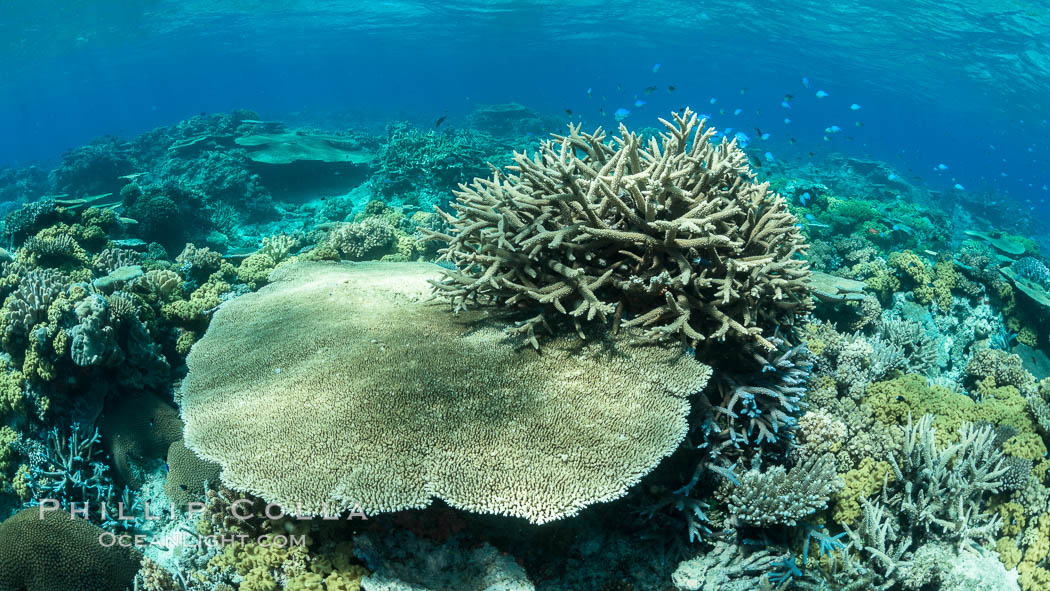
x=671 y=233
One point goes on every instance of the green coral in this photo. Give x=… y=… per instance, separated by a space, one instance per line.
x=12 y=398
x=911 y=266
x=860 y=483
x=7 y=437
x=255 y=269
x=852 y=211
x=892 y=401
x=190 y=312
x=261 y=566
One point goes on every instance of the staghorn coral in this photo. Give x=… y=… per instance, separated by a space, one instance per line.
x=726 y=568
x=758 y=405
x=917 y=349
x=938 y=494
x=69 y=467
x=674 y=233
x=364 y=395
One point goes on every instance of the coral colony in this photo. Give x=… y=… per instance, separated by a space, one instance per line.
x=483 y=354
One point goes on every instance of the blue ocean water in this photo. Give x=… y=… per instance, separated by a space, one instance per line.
x=960 y=83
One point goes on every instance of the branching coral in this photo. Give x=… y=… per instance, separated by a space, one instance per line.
x=673 y=233
x=726 y=568
x=779 y=496
x=757 y=407
x=70 y=468
x=938 y=492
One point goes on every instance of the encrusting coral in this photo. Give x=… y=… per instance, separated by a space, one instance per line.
x=365 y=395
x=674 y=233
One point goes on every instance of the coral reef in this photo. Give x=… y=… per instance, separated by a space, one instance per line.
x=728 y=420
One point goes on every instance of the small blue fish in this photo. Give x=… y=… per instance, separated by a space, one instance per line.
x=785 y=104
x=713 y=100
x=742 y=139
x=896 y=227
x=833 y=129
x=892 y=177
x=854 y=107
x=942 y=167
x=589 y=92
x=656 y=68
x=639 y=103
x=803 y=198
x=822 y=94
x=704 y=116
x=769 y=157
x=805 y=82
x=765 y=136
x=787 y=121
x=738 y=111
x=811 y=217
x=621 y=114
x=959 y=187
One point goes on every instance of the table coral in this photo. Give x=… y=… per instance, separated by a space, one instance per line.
x=364 y=395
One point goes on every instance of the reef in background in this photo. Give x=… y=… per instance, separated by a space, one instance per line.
x=876 y=414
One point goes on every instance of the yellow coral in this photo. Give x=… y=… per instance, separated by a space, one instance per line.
x=913 y=267
x=11 y=396
x=38 y=367
x=1028 y=336
x=860 y=483
x=1009 y=553
x=255 y=269
x=1013 y=518
x=205 y=297
x=884 y=284
x=7 y=437
x=185 y=341
x=944 y=281
x=1033 y=578
x=893 y=400
x=20 y=482
x=1028 y=446
x=1038 y=542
